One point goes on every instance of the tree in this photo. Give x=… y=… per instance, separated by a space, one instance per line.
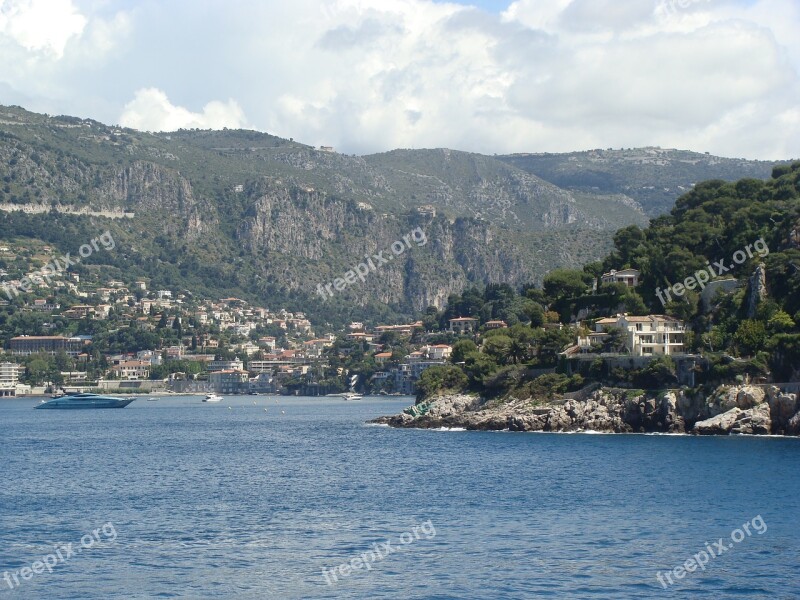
x=750 y=336
x=478 y=367
x=780 y=322
x=431 y=320
x=566 y=283
x=553 y=341
x=439 y=379
x=629 y=243
x=714 y=338
x=657 y=373
x=535 y=313
x=176 y=326
x=461 y=349
x=498 y=347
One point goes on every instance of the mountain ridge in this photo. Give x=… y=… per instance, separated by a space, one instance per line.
x=270 y=218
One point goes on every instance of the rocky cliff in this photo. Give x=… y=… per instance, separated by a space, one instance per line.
x=301 y=237
x=246 y=213
x=729 y=410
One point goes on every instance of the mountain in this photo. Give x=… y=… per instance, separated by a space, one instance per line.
x=269 y=219
x=652 y=178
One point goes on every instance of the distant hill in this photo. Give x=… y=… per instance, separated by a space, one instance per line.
x=653 y=177
x=247 y=213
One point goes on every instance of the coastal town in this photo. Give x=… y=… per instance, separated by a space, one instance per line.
x=92 y=334
x=224 y=346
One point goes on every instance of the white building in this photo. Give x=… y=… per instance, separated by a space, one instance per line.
x=249 y=348
x=463 y=325
x=268 y=342
x=9 y=378
x=644 y=336
x=438 y=352
x=629 y=277
x=315 y=348
x=132 y=369
x=151 y=356
x=226 y=365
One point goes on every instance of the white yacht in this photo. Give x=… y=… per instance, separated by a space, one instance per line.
x=212 y=398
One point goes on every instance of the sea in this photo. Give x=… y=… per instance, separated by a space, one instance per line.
x=292 y=497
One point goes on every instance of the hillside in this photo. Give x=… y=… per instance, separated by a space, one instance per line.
x=247 y=213
x=730 y=255
x=652 y=177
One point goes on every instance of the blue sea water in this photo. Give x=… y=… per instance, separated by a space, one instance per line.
x=210 y=502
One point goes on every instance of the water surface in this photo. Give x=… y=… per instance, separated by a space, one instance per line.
x=208 y=501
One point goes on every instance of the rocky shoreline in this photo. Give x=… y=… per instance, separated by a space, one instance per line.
x=742 y=409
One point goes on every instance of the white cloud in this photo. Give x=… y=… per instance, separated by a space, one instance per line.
x=151 y=110
x=41 y=25
x=370 y=75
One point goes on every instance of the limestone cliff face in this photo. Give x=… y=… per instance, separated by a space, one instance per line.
x=144 y=188
x=148 y=189
x=294 y=231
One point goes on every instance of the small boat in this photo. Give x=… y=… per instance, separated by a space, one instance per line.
x=212 y=398
x=353 y=396
x=84 y=400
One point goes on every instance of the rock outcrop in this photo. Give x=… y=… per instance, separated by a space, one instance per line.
x=757 y=289
x=719 y=425
x=783 y=408
x=744 y=410
x=755 y=421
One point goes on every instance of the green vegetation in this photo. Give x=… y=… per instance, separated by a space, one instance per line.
x=248 y=214
x=737 y=333
x=441 y=379
x=653 y=177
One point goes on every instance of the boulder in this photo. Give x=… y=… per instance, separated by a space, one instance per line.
x=451 y=405
x=793 y=426
x=749 y=396
x=558 y=420
x=718 y=425
x=782 y=408
x=526 y=423
x=670 y=417
x=755 y=421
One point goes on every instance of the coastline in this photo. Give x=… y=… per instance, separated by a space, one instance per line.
x=728 y=410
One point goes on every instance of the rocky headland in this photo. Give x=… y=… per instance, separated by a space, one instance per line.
x=742 y=409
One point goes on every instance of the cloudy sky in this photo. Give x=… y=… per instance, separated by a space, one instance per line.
x=370 y=75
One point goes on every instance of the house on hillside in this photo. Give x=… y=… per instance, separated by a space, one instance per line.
x=131 y=369
x=647 y=335
x=463 y=325
x=629 y=277
x=438 y=352
x=382 y=357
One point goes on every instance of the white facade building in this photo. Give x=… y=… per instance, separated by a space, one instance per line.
x=9 y=378
x=649 y=335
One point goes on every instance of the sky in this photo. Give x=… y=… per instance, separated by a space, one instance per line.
x=365 y=76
